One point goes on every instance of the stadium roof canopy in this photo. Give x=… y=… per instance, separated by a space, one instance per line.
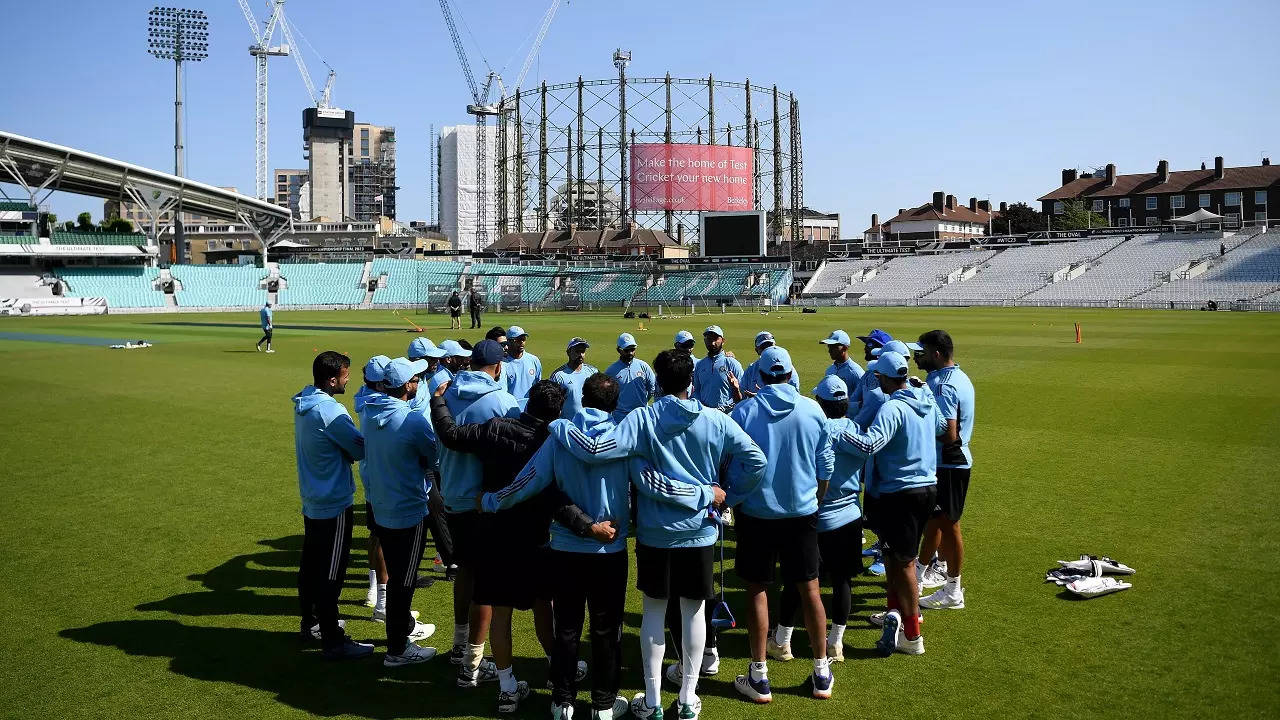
x=42 y=167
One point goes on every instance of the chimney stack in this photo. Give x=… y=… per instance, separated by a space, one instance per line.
x=984 y=205
x=1111 y=174
x=1266 y=161
x=951 y=202
x=973 y=204
x=1004 y=207
x=1068 y=176
x=939 y=199
x=1162 y=171
x=1218 y=171
x=901 y=210
x=875 y=220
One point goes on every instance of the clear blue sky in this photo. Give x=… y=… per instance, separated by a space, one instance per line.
x=989 y=99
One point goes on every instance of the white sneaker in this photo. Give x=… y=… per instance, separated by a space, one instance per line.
x=509 y=702
x=270 y=351
x=620 y=708
x=412 y=655
x=257 y=348
x=835 y=653
x=949 y=597
x=381 y=615
x=909 y=647
x=641 y=710
x=778 y=652
x=315 y=629
x=690 y=711
x=563 y=711
x=710 y=662
x=932 y=577
x=421 y=631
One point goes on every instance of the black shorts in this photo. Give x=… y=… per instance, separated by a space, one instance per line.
x=464 y=529
x=900 y=520
x=679 y=572
x=368 y=519
x=868 y=513
x=455 y=312
x=953 y=486
x=841 y=550
x=763 y=544
x=514 y=578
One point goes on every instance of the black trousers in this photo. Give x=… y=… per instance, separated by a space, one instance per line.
x=598 y=581
x=326 y=546
x=475 y=316
x=436 y=523
x=266 y=337
x=402 y=549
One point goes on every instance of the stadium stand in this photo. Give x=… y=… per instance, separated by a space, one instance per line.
x=1018 y=271
x=23 y=283
x=123 y=287
x=15 y=206
x=405 y=277
x=219 y=285
x=908 y=278
x=1250 y=270
x=321 y=284
x=63 y=237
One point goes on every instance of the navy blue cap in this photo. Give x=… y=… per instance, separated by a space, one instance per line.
x=486 y=352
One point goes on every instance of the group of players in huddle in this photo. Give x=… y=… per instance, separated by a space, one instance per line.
x=531 y=488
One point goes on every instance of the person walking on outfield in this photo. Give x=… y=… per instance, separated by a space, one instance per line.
x=265 y=316
x=778 y=524
x=715 y=377
x=679 y=450
x=637 y=384
x=520 y=367
x=326 y=442
x=839 y=531
x=842 y=366
x=455 y=311
x=572 y=374
x=591 y=570
x=397 y=448
x=473 y=396
x=750 y=383
x=953 y=391
x=903 y=485
x=475 y=301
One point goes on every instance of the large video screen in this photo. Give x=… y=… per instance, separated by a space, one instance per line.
x=732 y=234
x=690 y=177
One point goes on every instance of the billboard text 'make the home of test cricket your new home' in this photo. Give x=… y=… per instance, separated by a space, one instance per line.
x=690 y=177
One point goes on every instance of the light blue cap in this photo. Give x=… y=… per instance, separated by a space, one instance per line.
x=837 y=337
x=889 y=364
x=832 y=388
x=762 y=337
x=451 y=348
x=402 y=370
x=376 y=369
x=683 y=336
x=626 y=340
x=515 y=331
x=775 y=361
x=896 y=346
x=713 y=329
x=422 y=347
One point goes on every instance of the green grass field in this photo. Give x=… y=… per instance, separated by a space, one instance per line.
x=153 y=528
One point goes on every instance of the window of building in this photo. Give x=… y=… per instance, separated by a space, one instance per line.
x=1122 y=202
x=1231 y=198
x=1259 y=197
x=364 y=133
x=1058 y=207
x=282 y=178
x=1153 y=220
x=1232 y=219
x=1204 y=200
x=1122 y=222
x=1260 y=215
x=1153 y=203
x=1097 y=206
x=1178 y=202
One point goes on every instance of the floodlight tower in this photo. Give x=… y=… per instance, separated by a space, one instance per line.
x=179 y=35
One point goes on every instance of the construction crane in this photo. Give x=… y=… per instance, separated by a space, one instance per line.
x=260 y=50
x=482 y=106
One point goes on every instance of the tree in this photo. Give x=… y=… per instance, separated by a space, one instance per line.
x=84 y=223
x=1076 y=217
x=115 y=224
x=69 y=226
x=1018 y=219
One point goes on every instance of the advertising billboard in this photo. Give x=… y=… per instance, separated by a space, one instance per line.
x=690 y=177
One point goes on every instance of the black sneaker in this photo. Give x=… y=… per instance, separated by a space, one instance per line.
x=451 y=573
x=424 y=582
x=348 y=650
x=456 y=654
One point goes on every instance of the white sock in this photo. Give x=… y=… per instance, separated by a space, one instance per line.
x=835 y=635
x=506 y=680
x=380 y=604
x=821 y=667
x=653 y=645
x=759 y=671
x=373 y=581
x=473 y=656
x=782 y=635
x=460 y=633
x=694 y=628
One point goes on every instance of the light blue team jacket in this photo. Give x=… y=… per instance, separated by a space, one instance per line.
x=839 y=506
x=264 y=317
x=711 y=380
x=637 y=385
x=903 y=440
x=396 y=453
x=520 y=375
x=953 y=391
x=571 y=381
x=441 y=376
x=751 y=382
x=680 y=447
x=326 y=442
x=792 y=432
x=472 y=397
x=851 y=373
x=600 y=490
